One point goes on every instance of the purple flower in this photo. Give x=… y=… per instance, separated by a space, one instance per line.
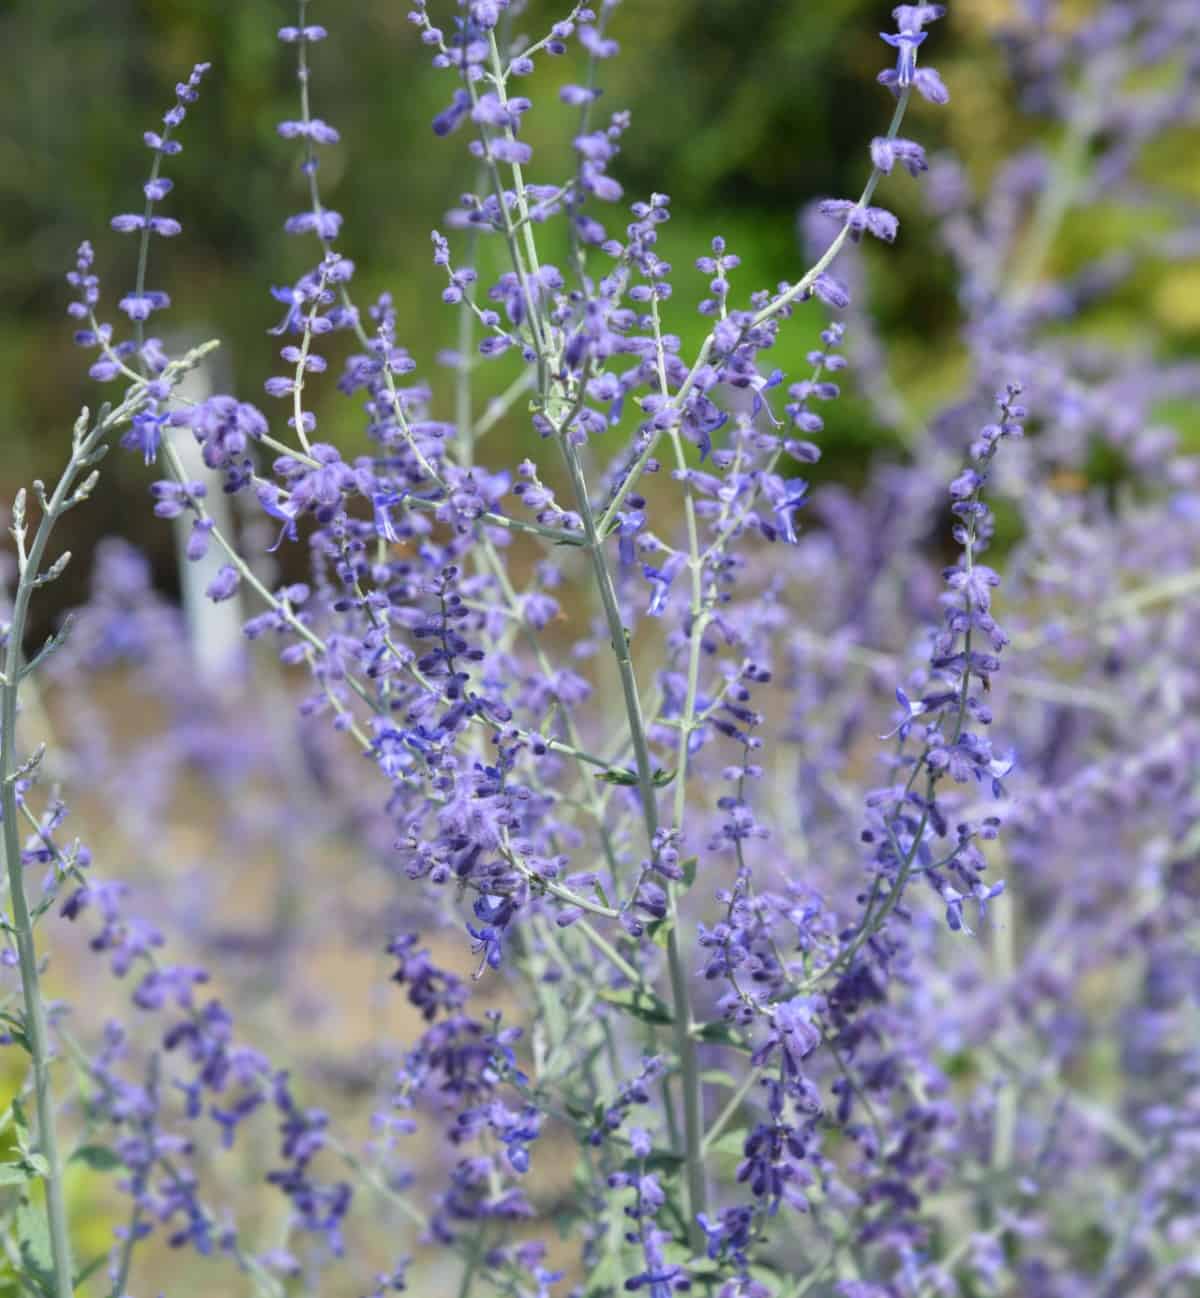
x=660 y=580
x=314 y=129
x=325 y=224
x=131 y=223
x=224 y=585
x=310 y=33
x=910 y=19
x=138 y=306
x=452 y=117
x=907 y=43
x=145 y=433
x=931 y=86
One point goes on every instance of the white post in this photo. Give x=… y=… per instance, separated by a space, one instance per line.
x=214 y=629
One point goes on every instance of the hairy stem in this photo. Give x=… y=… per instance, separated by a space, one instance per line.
x=693 y=1114
x=685 y=1045
x=86 y=448
x=21 y=925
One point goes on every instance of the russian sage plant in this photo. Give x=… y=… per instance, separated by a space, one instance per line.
x=668 y=817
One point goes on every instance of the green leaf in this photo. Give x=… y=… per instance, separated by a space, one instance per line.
x=719 y=1033
x=719 y=1077
x=689 y=871
x=98 y=1157
x=659 y=932
x=701 y=1268
x=625 y=779
x=33 y=1241
x=16 y=1030
x=14 y=1173
x=658 y=1160
x=580 y=1112
x=629 y=779
x=640 y=1004
x=732 y=1142
x=766 y=1275
x=85 y=1273
x=606 y=1278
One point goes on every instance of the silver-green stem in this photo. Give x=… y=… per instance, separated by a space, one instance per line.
x=827 y=258
x=799 y=290
x=86 y=448
x=36 y=1033
x=685 y=1045
x=730 y=1111
x=693 y=1109
x=21 y=924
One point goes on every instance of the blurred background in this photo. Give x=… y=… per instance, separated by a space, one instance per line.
x=743 y=112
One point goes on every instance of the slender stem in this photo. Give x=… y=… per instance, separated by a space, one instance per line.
x=611 y=954
x=302 y=363
x=21 y=925
x=559 y=535
x=1058 y=197
x=824 y=1268
x=693 y=1109
x=647 y=451
x=539 y=326
x=798 y=290
x=1129 y=604
x=139 y=325
x=36 y=1030
x=618 y=636
x=773 y=308
x=1033 y=687
x=526 y=264
x=557 y=890
x=1004 y=1128
x=514 y=251
x=531 y=50
x=685 y=1045
x=371 y=1178
x=472 y=1265
x=310 y=152
x=464 y=429
x=120 y=1280
x=499 y=572
x=498 y=407
x=947 y=1264
x=729 y=1112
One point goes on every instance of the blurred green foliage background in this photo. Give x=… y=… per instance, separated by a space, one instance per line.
x=743 y=110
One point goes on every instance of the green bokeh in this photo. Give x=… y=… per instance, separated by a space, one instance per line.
x=743 y=110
